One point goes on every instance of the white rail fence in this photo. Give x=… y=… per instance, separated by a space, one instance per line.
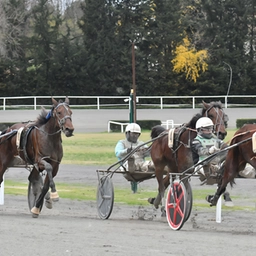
x=100 y=102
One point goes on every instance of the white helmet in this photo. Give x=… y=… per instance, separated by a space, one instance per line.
x=203 y=122
x=133 y=127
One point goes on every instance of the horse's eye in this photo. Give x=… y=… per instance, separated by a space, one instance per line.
x=210 y=116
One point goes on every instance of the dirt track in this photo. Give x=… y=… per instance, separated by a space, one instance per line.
x=73 y=227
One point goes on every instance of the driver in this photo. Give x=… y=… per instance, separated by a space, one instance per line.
x=123 y=147
x=205 y=144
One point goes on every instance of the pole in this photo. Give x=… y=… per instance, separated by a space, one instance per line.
x=2 y=193
x=230 y=77
x=131 y=108
x=133 y=84
x=218 y=211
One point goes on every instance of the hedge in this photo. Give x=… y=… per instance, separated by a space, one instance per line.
x=144 y=124
x=241 y=122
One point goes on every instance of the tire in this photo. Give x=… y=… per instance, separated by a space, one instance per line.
x=176 y=205
x=189 y=201
x=105 y=197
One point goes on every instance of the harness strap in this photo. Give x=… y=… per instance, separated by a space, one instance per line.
x=24 y=144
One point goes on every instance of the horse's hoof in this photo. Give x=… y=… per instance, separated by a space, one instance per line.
x=227 y=200
x=48 y=203
x=209 y=199
x=35 y=215
x=163 y=214
x=229 y=203
x=35 y=212
x=54 y=196
x=151 y=200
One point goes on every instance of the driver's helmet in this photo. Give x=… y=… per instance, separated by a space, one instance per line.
x=204 y=127
x=132 y=132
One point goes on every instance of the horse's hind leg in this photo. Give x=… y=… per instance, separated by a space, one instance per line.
x=161 y=186
x=230 y=171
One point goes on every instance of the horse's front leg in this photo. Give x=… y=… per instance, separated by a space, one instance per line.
x=49 y=169
x=39 y=202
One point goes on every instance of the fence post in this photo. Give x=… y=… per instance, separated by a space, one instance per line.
x=218 y=210
x=34 y=103
x=98 y=102
x=161 y=102
x=2 y=193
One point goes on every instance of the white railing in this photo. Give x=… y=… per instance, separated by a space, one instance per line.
x=121 y=125
x=169 y=124
x=123 y=101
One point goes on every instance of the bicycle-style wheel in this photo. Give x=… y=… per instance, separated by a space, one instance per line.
x=176 y=205
x=105 y=197
x=189 y=199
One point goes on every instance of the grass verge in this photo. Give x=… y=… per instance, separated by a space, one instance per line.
x=121 y=196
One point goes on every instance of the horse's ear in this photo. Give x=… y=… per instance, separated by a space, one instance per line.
x=67 y=100
x=54 y=102
x=205 y=105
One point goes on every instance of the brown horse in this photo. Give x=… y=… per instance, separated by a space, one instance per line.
x=39 y=144
x=240 y=152
x=179 y=158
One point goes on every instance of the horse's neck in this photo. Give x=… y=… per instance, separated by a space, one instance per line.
x=52 y=128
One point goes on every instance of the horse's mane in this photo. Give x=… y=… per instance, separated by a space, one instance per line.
x=41 y=119
x=214 y=104
x=192 y=123
x=156 y=130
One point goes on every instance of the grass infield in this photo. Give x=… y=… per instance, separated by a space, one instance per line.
x=98 y=149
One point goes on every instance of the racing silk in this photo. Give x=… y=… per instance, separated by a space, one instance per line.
x=123 y=145
x=200 y=147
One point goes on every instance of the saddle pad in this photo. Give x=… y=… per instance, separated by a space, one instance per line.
x=18 y=137
x=254 y=142
x=171 y=137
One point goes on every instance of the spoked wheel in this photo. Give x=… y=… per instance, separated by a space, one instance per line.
x=105 y=197
x=189 y=201
x=176 y=205
x=34 y=191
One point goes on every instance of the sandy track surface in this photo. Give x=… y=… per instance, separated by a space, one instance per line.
x=74 y=228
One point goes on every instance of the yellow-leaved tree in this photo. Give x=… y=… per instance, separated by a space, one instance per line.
x=189 y=61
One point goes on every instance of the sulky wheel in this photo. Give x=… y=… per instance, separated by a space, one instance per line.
x=176 y=205
x=105 y=197
x=34 y=191
x=189 y=202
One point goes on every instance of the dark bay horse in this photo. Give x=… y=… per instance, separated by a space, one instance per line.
x=241 y=151
x=179 y=158
x=39 y=144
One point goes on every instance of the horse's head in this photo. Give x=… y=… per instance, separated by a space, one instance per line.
x=215 y=112
x=63 y=115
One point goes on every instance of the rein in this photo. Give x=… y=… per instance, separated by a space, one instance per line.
x=50 y=134
x=218 y=117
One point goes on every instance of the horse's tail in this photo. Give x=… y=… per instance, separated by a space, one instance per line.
x=156 y=130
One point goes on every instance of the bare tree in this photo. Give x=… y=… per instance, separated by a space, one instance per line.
x=11 y=27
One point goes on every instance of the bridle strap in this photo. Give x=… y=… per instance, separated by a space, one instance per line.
x=219 y=120
x=61 y=121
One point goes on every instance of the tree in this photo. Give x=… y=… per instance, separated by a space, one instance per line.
x=189 y=61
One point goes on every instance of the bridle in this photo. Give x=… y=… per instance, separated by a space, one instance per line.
x=220 y=119
x=62 y=121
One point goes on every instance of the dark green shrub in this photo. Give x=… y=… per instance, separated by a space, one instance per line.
x=144 y=124
x=241 y=122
